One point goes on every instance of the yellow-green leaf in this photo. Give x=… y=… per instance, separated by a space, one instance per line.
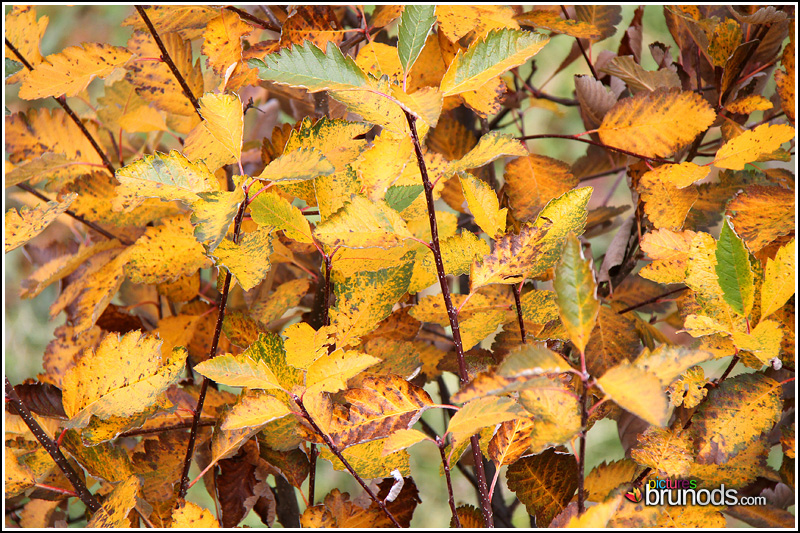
x=298 y=165
x=512 y=258
x=212 y=215
x=362 y=223
x=734 y=271
x=254 y=408
x=28 y=223
x=481 y=413
x=490 y=147
x=117 y=506
x=70 y=71
x=166 y=176
x=488 y=58
x=576 y=293
x=270 y=209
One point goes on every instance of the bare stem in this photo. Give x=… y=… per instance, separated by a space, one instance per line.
x=52 y=448
x=450 y=498
x=582 y=444
x=595 y=143
x=79 y=218
x=580 y=45
x=168 y=60
x=75 y=118
x=212 y=353
x=517 y=289
x=339 y=455
x=651 y=300
x=254 y=19
x=483 y=491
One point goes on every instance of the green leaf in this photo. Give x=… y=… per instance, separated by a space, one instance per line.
x=401 y=196
x=734 y=271
x=309 y=67
x=487 y=58
x=12 y=67
x=576 y=293
x=415 y=23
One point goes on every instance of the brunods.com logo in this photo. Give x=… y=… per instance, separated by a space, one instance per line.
x=685 y=492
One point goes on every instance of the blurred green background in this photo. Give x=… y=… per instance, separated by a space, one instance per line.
x=28 y=329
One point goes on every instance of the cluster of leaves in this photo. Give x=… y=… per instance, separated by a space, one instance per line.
x=296 y=268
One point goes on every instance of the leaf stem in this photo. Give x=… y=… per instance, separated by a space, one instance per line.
x=338 y=454
x=50 y=446
x=486 y=505
x=168 y=60
x=212 y=353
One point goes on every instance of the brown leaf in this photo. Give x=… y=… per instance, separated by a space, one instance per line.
x=545 y=483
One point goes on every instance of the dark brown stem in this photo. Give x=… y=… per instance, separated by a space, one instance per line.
x=486 y=505
x=164 y=429
x=517 y=289
x=313 y=453
x=326 y=299
x=254 y=19
x=450 y=498
x=52 y=448
x=79 y=218
x=223 y=300
x=75 y=118
x=582 y=446
x=580 y=45
x=651 y=300
x=335 y=450
x=601 y=174
x=286 y=505
x=168 y=60
x=595 y=143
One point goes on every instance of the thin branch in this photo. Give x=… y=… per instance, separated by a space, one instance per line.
x=450 y=498
x=602 y=174
x=168 y=60
x=175 y=427
x=52 y=448
x=580 y=45
x=517 y=302
x=79 y=218
x=212 y=353
x=486 y=505
x=338 y=454
x=651 y=300
x=595 y=143
x=62 y=101
x=582 y=441
x=254 y=19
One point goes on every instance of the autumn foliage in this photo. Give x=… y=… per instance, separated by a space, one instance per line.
x=399 y=250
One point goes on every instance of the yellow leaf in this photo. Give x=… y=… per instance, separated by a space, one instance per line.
x=380 y=59
x=752 y=144
x=764 y=341
x=656 y=124
x=165 y=253
x=512 y=258
x=723 y=41
x=190 y=515
x=646 y=401
x=115 y=509
x=402 y=439
x=779 y=280
x=606 y=477
x=458 y=253
x=484 y=205
x=480 y=413
x=287 y=295
x=368 y=462
x=748 y=104
x=666 y=204
x=69 y=72
x=363 y=224
x=28 y=223
x=485 y=101
x=596 y=516
x=304 y=345
x=668 y=452
x=532 y=181
x=539 y=306
x=490 y=147
x=316 y=24
x=690 y=389
x=700 y=326
x=25 y=33
x=154 y=80
x=669 y=362
x=299 y=165
x=553 y=22
x=186 y=20
x=762 y=214
x=669 y=252
x=213 y=213
x=555 y=411
x=270 y=209
x=122 y=377
x=512 y=440
x=247 y=260
x=222 y=40
x=223 y=117
x=122 y=107
x=457 y=20
x=330 y=372
x=166 y=176
x=254 y=408
x=381 y=164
